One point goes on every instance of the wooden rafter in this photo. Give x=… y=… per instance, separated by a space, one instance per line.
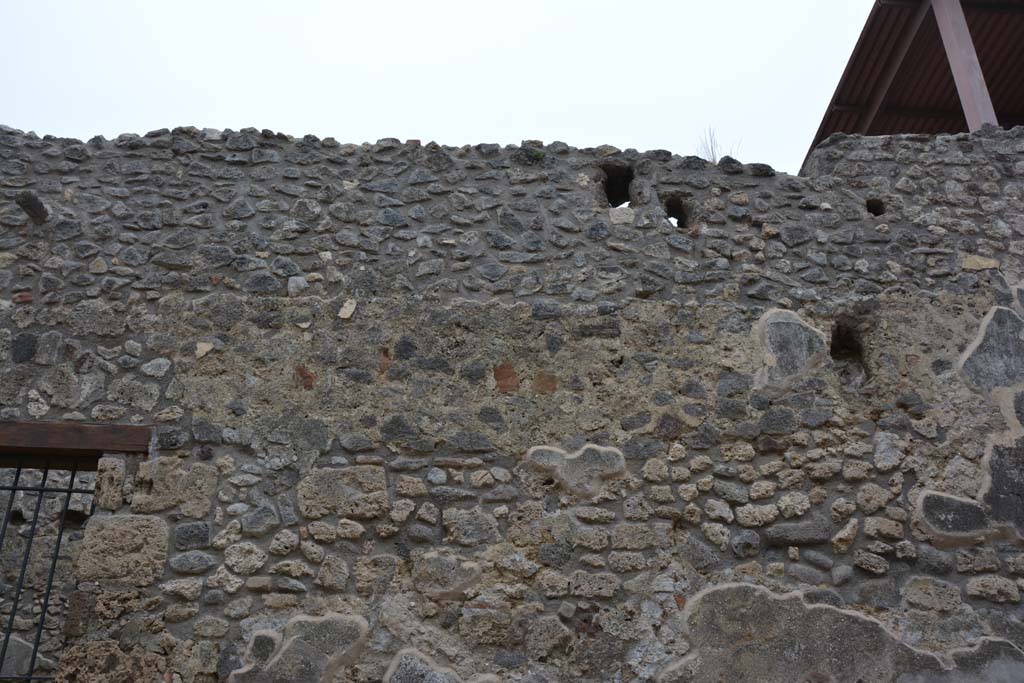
x=881 y=88
x=963 y=61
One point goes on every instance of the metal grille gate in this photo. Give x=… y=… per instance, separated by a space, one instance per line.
x=39 y=498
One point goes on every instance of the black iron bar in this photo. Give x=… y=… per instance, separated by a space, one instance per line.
x=7 y=516
x=53 y=569
x=41 y=490
x=24 y=568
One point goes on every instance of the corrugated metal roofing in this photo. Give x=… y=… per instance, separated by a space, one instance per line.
x=922 y=97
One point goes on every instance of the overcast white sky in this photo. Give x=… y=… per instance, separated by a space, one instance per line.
x=643 y=73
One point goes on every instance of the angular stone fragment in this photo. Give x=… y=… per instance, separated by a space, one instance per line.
x=887 y=453
x=991 y=661
x=110 y=475
x=165 y=482
x=131 y=392
x=189 y=589
x=311 y=649
x=260 y=521
x=794 y=504
x=810 y=532
x=96 y=317
x=870 y=562
x=745 y=633
x=333 y=574
x=978 y=262
x=881 y=527
x=580 y=473
x=374 y=574
x=470 y=527
x=17 y=661
x=756 y=515
x=927 y=593
x=359 y=491
x=593 y=585
x=443 y=575
x=871 y=497
x=993 y=588
x=262 y=647
x=977 y=560
x=745 y=543
x=244 y=558
x=412 y=666
x=951 y=515
x=103 y=661
x=845 y=537
x=192 y=562
x=1005 y=494
x=996 y=357
x=130 y=549
x=32 y=206
x=156 y=485
x=544 y=635
x=791 y=347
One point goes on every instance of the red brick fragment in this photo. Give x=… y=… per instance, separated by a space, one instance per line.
x=306 y=378
x=544 y=382
x=505 y=376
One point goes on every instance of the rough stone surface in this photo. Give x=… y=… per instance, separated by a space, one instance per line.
x=791 y=346
x=130 y=549
x=952 y=515
x=743 y=632
x=358 y=492
x=1005 y=495
x=104 y=661
x=310 y=649
x=581 y=472
x=411 y=666
x=453 y=392
x=996 y=358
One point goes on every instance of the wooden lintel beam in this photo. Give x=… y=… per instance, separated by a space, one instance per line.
x=963 y=62
x=72 y=438
x=892 y=68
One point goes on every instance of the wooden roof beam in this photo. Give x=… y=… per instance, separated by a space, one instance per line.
x=963 y=61
x=986 y=6
x=892 y=68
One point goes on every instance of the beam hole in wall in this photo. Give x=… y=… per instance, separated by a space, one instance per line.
x=847 y=352
x=677 y=211
x=617 y=180
x=875 y=206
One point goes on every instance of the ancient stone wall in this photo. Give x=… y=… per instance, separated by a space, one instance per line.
x=528 y=413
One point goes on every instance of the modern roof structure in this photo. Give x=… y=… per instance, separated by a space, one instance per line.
x=932 y=66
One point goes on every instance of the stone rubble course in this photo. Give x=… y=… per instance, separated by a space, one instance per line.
x=446 y=414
